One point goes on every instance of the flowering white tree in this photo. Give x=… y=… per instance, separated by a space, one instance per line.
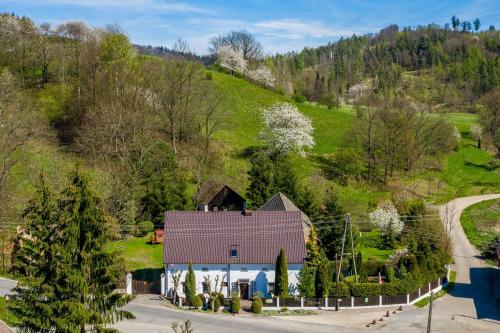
x=387 y=219
x=477 y=132
x=231 y=59
x=286 y=129
x=262 y=75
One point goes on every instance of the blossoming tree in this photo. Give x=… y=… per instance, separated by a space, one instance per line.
x=231 y=59
x=286 y=129
x=387 y=219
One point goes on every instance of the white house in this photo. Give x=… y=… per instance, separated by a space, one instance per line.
x=234 y=250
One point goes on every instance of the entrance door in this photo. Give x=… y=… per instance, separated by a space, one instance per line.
x=244 y=290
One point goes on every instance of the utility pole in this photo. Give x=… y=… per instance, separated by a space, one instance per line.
x=352 y=248
x=429 y=319
x=339 y=267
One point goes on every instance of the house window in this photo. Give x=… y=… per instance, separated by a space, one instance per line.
x=205 y=288
x=224 y=284
x=270 y=287
x=265 y=269
x=204 y=269
x=223 y=269
x=244 y=269
x=234 y=252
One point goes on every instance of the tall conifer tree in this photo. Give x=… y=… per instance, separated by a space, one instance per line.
x=281 y=275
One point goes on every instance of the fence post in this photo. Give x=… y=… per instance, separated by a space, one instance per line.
x=302 y=302
x=162 y=278
x=326 y=302
x=180 y=302
x=128 y=284
x=430 y=287
x=419 y=293
x=380 y=300
x=407 y=299
x=352 y=302
x=439 y=281
x=278 y=302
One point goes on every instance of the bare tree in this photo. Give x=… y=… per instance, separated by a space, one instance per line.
x=19 y=124
x=241 y=41
x=176 y=279
x=448 y=215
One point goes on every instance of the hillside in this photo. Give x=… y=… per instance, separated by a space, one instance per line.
x=466 y=171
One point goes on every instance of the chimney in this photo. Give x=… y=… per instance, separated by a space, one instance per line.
x=247 y=213
x=215 y=209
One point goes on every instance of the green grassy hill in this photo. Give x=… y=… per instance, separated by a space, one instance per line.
x=464 y=172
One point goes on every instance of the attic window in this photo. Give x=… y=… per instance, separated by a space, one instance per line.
x=204 y=269
x=234 y=252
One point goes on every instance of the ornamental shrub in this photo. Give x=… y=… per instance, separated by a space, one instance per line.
x=365 y=289
x=145 y=227
x=235 y=303
x=203 y=299
x=196 y=302
x=190 y=283
x=256 y=305
x=221 y=299
x=216 y=304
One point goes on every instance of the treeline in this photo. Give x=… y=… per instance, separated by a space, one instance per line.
x=145 y=123
x=462 y=65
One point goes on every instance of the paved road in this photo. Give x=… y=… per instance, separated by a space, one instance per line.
x=6 y=285
x=470 y=308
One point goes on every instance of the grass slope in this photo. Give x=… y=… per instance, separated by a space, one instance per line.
x=481 y=222
x=139 y=254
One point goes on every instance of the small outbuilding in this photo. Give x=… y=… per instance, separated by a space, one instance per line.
x=214 y=195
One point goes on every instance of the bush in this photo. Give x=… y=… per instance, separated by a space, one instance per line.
x=196 y=302
x=256 y=305
x=372 y=267
x=145 y=227
x=221 y=299
x=235 y=303
x=344 y=290
x=216 y=304
x=203 y=299
x=365 y=289
x=299 y=98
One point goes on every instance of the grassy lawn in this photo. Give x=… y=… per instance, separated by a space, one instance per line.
x=6 y=316
x=368 y=244
x=481 y=222
x=141 y=258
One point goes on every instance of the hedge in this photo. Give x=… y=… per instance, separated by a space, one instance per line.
x=344 y=290
x=365 y=289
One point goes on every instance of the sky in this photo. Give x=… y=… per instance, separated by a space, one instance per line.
x=281 y=26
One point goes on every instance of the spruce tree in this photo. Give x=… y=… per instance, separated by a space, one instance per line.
x=281 y=275
x=34 y=259
x=72 y=288
x=261 y=180
x=190 y=283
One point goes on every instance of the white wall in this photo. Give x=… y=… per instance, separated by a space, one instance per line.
x=256 y=275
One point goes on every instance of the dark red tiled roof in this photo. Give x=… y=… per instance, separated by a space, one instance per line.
x=207 y=237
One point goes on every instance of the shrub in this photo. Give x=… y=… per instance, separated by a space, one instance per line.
x=216 y=304
x=344 y=290
x=256 y=305
x=145 y=227
x=221 y=299
x=299 y=98
x=203 y=299
x=372 y=267
x=235 y=303
x=365 y=289
x=190 y=283
x=196 y=302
